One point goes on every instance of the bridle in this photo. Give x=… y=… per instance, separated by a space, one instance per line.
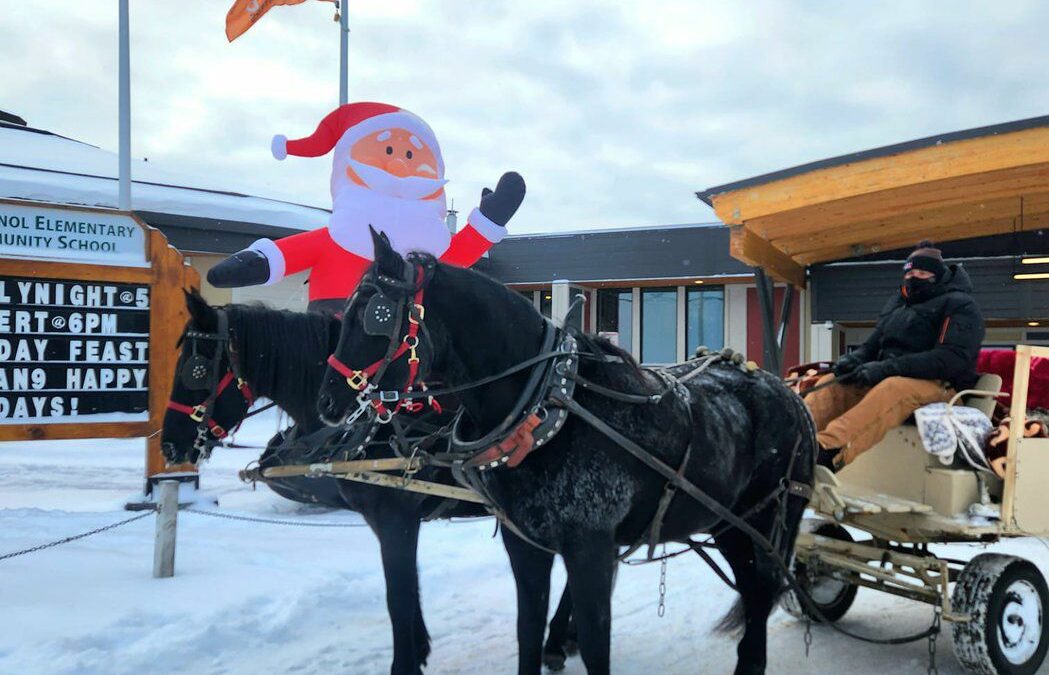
x=553 y=367
x=198 y=372
x=385 y=316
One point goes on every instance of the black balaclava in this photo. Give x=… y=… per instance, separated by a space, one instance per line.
x=930 y=259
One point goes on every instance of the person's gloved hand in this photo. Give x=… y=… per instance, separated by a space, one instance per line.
x=846 y=364
x=870 y=374
x=243 y=268
x=500 y=205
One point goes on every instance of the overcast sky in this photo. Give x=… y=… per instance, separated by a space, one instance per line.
x=614 y=112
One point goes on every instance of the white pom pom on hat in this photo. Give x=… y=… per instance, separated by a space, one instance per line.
x=279 y=146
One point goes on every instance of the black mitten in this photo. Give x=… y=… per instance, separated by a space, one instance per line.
x=243 y=268
x=500 y=205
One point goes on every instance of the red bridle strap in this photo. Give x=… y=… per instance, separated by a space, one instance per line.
x=358 y=379
x=197 y=412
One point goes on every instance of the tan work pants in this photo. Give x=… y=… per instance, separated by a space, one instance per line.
x=854 y=418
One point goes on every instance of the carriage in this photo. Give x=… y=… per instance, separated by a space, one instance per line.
x=903 y=500
x=986 y=190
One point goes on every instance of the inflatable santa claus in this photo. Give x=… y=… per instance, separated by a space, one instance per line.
x=387 y=174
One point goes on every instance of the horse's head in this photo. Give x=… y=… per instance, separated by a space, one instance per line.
x=207 y=398
x=383 y=344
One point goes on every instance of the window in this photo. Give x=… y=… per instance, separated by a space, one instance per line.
x=705 y=319
x=615 y=315
x=546 y=302
x=659 y=325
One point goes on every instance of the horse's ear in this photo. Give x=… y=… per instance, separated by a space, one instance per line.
x=387 y=260
x=201 y=313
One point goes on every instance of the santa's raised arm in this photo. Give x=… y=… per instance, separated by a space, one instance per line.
x=387 y=173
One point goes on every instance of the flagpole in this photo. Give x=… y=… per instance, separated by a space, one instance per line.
x=124 y=86
x=344 y=43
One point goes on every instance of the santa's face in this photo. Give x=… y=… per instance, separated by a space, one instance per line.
x=409 y=165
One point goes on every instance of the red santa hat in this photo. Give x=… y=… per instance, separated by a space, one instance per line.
x=353 y=121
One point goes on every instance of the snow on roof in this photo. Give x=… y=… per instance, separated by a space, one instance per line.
x=41 y=166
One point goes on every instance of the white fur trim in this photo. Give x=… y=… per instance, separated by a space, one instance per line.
x=485 y=227
x=279 y=146
x=273 y=256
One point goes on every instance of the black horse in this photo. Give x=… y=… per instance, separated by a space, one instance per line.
x=740 y=436
x=280 y=355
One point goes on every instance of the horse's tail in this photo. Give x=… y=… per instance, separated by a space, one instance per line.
x=734 y=620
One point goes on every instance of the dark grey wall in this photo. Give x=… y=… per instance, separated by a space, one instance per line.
x=857 y=292
x=658 y=253
x=190 y=233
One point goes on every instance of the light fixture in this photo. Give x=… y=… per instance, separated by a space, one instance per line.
x=1034 y=275
x=698 y=281
x=1034 y=323
x=547 y=297
x=1034 y=261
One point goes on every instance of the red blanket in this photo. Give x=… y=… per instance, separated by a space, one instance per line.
x=1002 y=362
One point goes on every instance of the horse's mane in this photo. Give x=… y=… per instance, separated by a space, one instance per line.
x=284 y=351
x=588 y=342
x=596 y=344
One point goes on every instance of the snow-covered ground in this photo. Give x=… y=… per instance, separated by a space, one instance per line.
x=250 y=598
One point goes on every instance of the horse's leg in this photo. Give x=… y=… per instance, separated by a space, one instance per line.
x=555 y=652
x=531 y=568
x=759 y=583
x=590 y=560
x=398 y=533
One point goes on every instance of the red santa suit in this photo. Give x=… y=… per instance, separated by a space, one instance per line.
x=402 y=208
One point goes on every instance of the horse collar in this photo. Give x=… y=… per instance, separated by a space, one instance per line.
x=539 y=420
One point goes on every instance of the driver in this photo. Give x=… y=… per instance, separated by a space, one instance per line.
x=923 y=349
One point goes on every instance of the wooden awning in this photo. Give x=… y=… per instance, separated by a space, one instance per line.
x=979 y=182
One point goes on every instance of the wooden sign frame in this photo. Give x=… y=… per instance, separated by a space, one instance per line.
x=167 y=275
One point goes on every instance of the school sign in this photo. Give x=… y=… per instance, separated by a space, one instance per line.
x=90 y=309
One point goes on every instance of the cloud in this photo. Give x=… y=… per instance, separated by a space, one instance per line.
x=614 y=112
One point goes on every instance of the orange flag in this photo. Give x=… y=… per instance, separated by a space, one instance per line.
x=244 y=13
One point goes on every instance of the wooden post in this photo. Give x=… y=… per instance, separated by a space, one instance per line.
x=167 y=524
x=1018 y=414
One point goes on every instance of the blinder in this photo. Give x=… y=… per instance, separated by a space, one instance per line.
x=380 y=314
x=196 y=373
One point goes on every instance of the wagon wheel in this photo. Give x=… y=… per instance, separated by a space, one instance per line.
x=1005 y=598
x=831 y=595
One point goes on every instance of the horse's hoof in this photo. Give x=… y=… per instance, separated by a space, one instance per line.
x=555 y=662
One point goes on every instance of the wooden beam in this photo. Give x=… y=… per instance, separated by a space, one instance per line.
x=917 y=225
x=934 y=163
x=752 y=250
x=905 y=200
x=944 y=233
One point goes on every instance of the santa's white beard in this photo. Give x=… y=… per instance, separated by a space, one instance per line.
x=411 y=224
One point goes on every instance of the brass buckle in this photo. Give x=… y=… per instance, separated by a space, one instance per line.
x=357 y=380
x=198 y=413
x=217 y=431
x=422 y=313
x=241 y=383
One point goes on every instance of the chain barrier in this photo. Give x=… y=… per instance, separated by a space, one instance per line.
x=270 y=521
x=663 y=585
x=933 y=670
x=75 y=537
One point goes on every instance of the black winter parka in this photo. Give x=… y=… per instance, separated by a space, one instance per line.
x=937 y=339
